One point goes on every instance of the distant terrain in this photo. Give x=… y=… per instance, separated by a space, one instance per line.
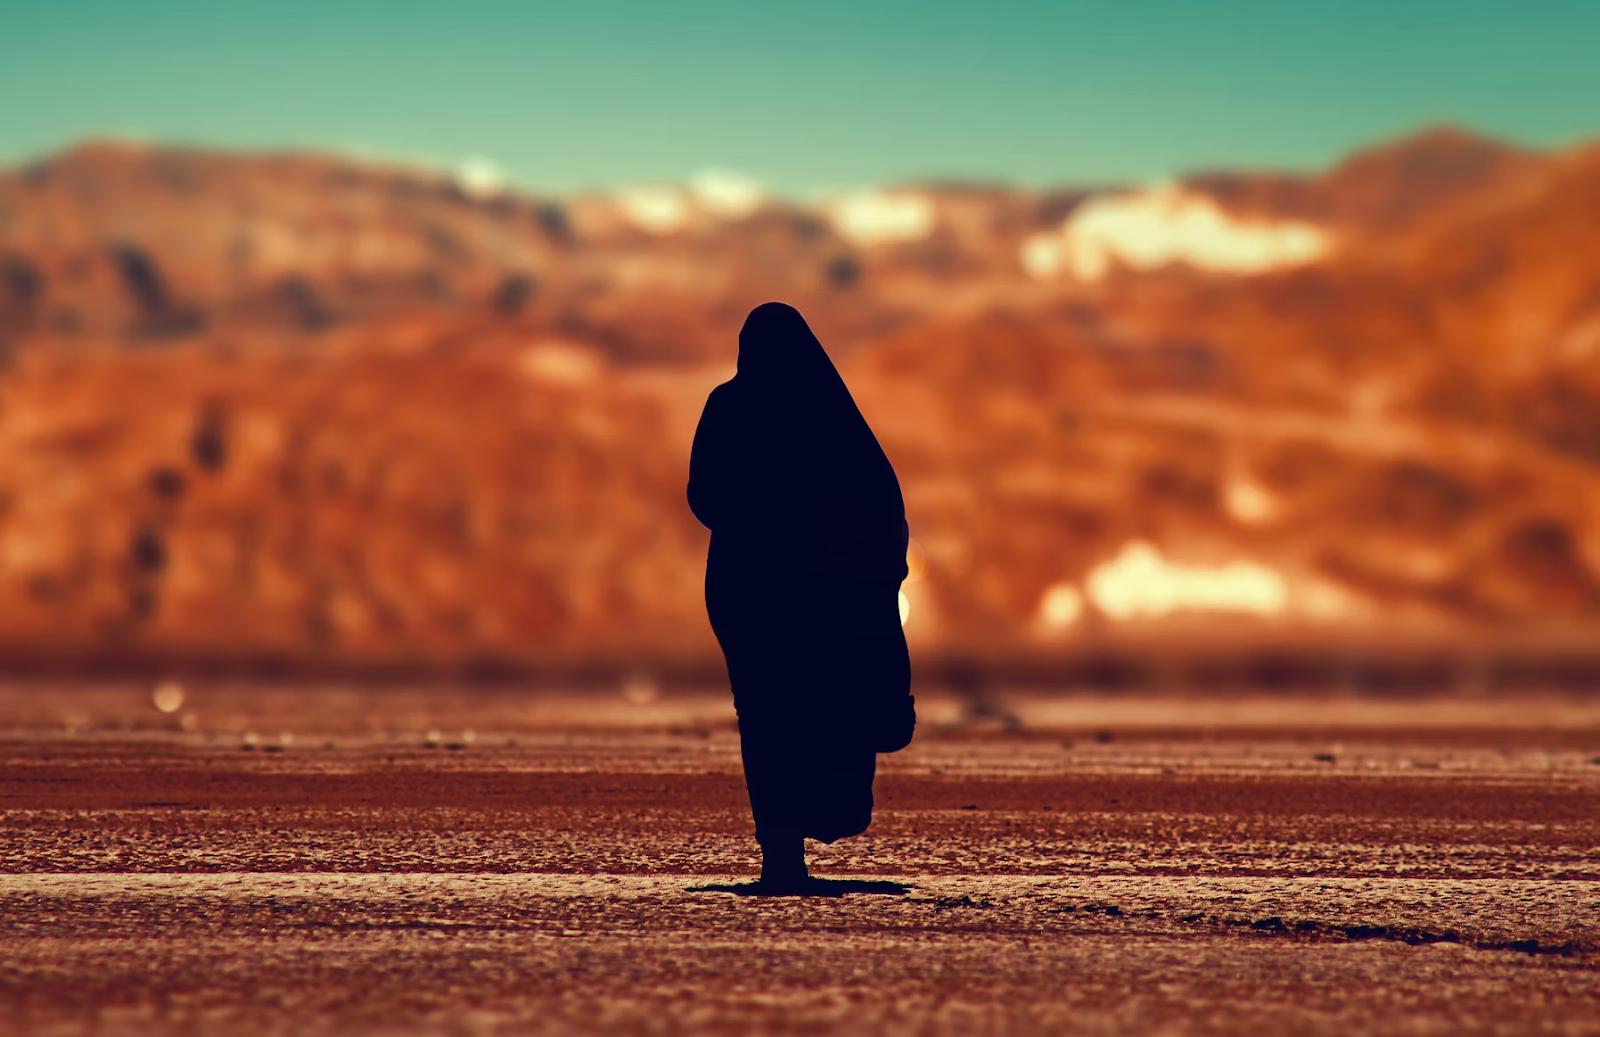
x=306 y=412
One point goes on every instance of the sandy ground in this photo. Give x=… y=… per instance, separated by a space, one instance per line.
x=310 y=860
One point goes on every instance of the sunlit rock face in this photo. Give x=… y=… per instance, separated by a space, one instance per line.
x=480 y=177
x=1150 y=229
x=561 y=363
x=658 y=210
x=1060 y=608
x=1139 y=582
x=727 y=194
x=879 y=217
x=297 y=409
x=1251 y=503
x=364 y=504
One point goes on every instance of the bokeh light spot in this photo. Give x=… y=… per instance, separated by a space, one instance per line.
x=168 y=696
x=641 y=689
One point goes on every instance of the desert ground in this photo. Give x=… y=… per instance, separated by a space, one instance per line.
x=255 y=858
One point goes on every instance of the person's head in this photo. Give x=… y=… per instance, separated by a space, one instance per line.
x=776 y=343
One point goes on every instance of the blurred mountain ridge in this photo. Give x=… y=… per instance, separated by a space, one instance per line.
x=301 y=410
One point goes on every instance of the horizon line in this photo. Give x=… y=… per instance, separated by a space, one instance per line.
x=448 y=170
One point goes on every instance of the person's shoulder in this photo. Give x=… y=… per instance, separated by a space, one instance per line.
x=724 y=396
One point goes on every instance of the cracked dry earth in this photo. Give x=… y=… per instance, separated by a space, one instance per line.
x=1095 y=866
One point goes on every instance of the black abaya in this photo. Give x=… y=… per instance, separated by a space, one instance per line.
x=807 y=554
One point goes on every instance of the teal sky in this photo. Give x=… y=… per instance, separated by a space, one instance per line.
x=804 y=96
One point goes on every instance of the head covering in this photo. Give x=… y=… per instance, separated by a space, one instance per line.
x=785 y=373
x=782 y=441
x=776 y=345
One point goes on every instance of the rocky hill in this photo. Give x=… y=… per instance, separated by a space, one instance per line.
x=298 y=410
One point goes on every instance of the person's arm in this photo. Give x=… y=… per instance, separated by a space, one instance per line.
x=708 y=461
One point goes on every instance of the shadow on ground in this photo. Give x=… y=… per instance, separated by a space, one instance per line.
x=812 y=887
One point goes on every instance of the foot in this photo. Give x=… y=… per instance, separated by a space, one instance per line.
x=783 y=866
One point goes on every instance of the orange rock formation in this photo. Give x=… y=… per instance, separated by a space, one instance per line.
x=298 y=410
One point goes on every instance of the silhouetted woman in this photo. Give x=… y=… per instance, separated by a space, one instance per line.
x=808 y=549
